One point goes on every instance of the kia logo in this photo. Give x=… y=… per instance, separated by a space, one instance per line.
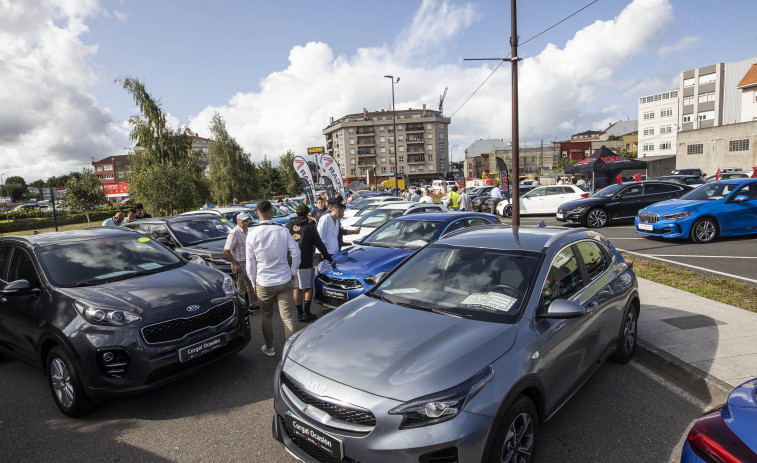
x=337 y=273
x=316 y=387
x=193 y=308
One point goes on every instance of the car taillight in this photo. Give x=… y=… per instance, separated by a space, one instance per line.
x=585 y=195
x=712 y=441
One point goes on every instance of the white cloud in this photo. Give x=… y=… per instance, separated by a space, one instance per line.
x=681 y=45
x=561 y=89
x=49 y=124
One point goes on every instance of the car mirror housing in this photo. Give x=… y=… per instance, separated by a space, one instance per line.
x=740 y=198
x=563 y=308
x=165 y=242
x=186 y=255
x=19 y=288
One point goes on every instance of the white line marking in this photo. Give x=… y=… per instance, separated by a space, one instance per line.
x=676 y=389
x=613 y=239
x=689 y=265
x=708 y=257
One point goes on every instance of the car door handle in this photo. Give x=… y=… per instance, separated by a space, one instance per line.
x=591 y=308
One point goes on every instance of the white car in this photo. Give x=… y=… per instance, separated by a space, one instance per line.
x=385 y=213
x=228 y=213
x=372 y=201
x=545 y=199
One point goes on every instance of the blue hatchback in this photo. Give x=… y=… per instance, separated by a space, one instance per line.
x=725 y=208
x=358 y=268
x=279 y=216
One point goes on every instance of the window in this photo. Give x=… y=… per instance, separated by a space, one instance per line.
x=391 y=150
x=383 y=170
x=121 y=174
x=429 y=126
x=391 y=159
x=400 y=138
x=352 y=171
x=429 y=136
x=108 y=167
x=695 y=149
x=666 y=145
x=666 y=129
x=402 y=158
x=412 y=168
x=21 y=267
x=687 y=118
x=401 y=149
x=383 y=149
x=666 y=112
x=649 y=131
x=565 y=154
x=456 y=225
x=352 y=161
x=705 y=97
x=352 y=141
x=738 y=145
x=430 y=157
x=441 y=126
x=362 y=171
x=382 y=139
x=705 y=116
x=430 y=167
x=707 y=78
x=99 y=168
x=402 y=168
x=688 y=82
x=420 y=168
x=352 y=150
x=391 y=139
x=564 y=277
x=594 y=258
x=648 y=147
x=352 y=130
x=383 y=159
x=108 y=176
x=687 y=100
x=648 y=115
x=634 y=191
x=391 y=169
x=381 y=127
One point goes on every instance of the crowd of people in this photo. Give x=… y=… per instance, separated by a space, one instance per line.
x=119 y=218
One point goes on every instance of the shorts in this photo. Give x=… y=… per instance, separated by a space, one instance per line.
x=304 y=278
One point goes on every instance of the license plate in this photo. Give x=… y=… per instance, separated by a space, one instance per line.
x=203 y=347
x=646 y=226
x=316 y=437
x=560 y=216
x=335 y=294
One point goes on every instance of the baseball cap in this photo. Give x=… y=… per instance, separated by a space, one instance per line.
x=243 y=216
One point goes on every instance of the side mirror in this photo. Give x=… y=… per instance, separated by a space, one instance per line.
x=165 y=242
x=186 y=255
x=740 y=198
x=358 y=241
x=563 y=308
x=19 y=288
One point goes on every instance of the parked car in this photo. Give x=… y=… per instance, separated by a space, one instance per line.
x=727 y=176
x=724 y=208
x=279 y=216
x=364 y=200
x=229 y=213
x=462 y=353
x=358 y=267
x=726 y=433
x=618 y=202
x=108 y=312
x=688 y=172
x=386 y=212
x=367 y=204
x=200 y=236
x=682 y=180
x=545 y=199
x=29 y=208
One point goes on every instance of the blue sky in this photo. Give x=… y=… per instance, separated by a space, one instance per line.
x=277 y=71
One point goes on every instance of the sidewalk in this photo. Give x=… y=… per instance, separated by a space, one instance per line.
x=705 y=345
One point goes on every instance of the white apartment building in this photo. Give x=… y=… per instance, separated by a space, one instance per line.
x=658 y=124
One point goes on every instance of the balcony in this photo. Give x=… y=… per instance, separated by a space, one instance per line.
x=414 y=128
x=416 y=159
x=366 y=152
x=366 y=162
x=362 y=130
x=415 y=149
x=414 y=138
x=366 y=141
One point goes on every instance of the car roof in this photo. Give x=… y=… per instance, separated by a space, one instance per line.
x=443 y=216
x=214 y=211
x=511 y=238
x=44 y=239
x=402 y=205
x=178 y=218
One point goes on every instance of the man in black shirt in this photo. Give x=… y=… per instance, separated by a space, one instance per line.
x=141 y=214
x=306 y=235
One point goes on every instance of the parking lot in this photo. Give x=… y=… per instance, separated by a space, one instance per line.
x=734 y=258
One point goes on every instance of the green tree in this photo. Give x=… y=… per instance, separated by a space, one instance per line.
x=37 y=183
x=84 y=193
x=563 y=163
x=14 y=187
x=268 y=179
x=231 y=174
x=289 y=179
x=166 y=174
x=627 y=154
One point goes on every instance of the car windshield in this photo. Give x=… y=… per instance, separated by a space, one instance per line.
x=276 y=211
x=367 y=209
x=377 y=217
x=470 y=282
x=102 y=260
x=405 y=234
x=710 y=192
x=200 y=230
x=609 y=191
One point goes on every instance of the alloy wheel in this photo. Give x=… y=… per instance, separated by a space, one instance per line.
x=519 y=440
x=61 y=380
x=597 y=218
x=629 y=332
x=705 y=231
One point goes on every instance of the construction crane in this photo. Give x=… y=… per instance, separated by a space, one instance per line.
x=441 y=101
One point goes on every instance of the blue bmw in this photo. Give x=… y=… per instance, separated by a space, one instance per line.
x=358 y=268
x=725 y=208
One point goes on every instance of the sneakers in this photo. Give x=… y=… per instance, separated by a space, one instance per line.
x=308 y=317
x=268 y=351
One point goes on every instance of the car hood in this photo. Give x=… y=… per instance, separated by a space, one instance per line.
x=367 y=260
x=676 y=205
x=210 y=247
x=154 y=295
x=585 y=202
x=397 y=352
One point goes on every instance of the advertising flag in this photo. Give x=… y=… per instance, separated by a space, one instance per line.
x=717 y=175
x=329 y=164
x=619 y=179
x=306 y=177
x=502 y=167
x=637 y=177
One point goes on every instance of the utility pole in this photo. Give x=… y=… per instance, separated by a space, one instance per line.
x=394 y=129
x=516 y=152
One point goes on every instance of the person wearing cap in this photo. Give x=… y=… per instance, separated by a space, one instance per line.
x=235 y=250
x=140 y=212
x=269 y=248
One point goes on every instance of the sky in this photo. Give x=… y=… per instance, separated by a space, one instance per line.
x=278 y=71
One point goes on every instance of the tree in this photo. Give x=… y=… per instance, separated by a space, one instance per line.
x=15 y=187
x=289 y=179
x=268 y=178
x=231 y=174
x=563 y=163
x=628 y=154
x=84 y=193
x=166 y=174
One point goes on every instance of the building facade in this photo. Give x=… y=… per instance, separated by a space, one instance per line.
x=731 y=145
x=748 y=87
x=618 y=129
x=365 y=141
x=658 y=124
x=485 y=146
x=534 y=160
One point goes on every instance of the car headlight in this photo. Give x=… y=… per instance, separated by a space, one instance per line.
x=577 y=210
x=441 y=406
x=324 y=267
x=677 y=215
x=197 y=259
x=375 y=278
x=290 y=341
x=103 y=316
x=228 y=285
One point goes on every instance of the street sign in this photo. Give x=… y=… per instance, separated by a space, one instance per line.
x=316 y=150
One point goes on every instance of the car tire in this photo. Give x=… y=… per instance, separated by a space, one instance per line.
x=517 y=433
x=509 y=210
x=704 y=230
x=596 y=218
x=627 y=338
x=64 y=383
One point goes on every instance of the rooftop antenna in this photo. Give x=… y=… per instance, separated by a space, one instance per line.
x=441 y=101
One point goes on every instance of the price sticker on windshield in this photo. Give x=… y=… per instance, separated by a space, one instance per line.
x=143 y=239
x=223 y=220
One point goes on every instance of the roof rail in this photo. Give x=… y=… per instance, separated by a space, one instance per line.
x=558 y=236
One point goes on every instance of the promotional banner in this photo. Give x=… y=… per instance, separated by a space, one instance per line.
x=306 y=177
x=503 y=178
x=329 y=164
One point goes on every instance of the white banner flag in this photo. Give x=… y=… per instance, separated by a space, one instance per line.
x=329 y=164
x=303 y=170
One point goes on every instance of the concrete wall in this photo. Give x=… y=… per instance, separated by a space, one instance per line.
x=715 y=143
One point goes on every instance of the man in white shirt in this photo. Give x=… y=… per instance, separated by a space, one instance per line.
x=235 y=251
x=496 y=198
x=415 y=197
x=581 y=182
x=426 y=198
x=329 y=227
x=271 y=274
x=283 y=207
x=114 y=221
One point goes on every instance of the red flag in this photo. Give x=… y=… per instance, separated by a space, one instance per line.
x=619 y=179
x=717 y=175
x=637 y=177
x=754 y=174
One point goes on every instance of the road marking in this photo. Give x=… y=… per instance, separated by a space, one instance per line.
x=689 y=265
x=673 y=387
x=613 y=239
x=708 y=257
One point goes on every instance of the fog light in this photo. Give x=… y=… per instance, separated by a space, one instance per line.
x=108 y=356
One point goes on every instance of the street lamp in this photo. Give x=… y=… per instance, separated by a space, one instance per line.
x=1 y=177
x=394 y=131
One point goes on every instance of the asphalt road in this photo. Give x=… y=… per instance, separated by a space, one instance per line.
x=734 y=258
x=623 y=413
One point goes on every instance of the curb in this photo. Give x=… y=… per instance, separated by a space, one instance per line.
x=701 y=383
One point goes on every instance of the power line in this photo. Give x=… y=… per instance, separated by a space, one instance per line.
x=508 y=55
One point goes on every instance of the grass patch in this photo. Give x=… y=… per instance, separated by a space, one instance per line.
x=76 y=226
x=718 y=289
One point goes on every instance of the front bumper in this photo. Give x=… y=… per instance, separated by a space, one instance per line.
x=570 y=217
x=463 y=436
x=665 y=228
x=149 y=366
x=329 y=300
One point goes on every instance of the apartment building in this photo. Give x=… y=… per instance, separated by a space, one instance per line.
x=748 y=87
x=658 y=124
x=365 y=141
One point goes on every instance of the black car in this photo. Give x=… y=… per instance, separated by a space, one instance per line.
x=108 y=312
x=202 y=236
x=682 y=179
x=618 y=202
x=696 y=173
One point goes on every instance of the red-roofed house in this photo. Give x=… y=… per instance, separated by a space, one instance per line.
x=748 y=86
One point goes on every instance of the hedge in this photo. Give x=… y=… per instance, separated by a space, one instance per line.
x=59 y=212
x=47 y=222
